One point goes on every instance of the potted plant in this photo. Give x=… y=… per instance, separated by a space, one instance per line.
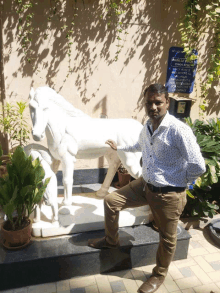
x=13 y=125
x=202 y=200
x=123 y=177
x=21 y=189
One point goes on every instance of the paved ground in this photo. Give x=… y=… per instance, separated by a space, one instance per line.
x=199 y=273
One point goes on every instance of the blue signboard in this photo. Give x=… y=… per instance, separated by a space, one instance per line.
x=180 y=73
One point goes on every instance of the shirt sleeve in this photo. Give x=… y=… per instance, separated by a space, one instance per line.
x=132 y=148
x=190 y=151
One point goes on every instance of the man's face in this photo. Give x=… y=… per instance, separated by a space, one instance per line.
x=156 y=106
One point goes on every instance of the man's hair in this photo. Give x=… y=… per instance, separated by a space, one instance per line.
x=156 y=89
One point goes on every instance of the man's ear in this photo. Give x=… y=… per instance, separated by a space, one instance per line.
x=168 y=103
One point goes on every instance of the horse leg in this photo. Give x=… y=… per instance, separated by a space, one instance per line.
x=54 y=208
x=37 y=213
x=114 y=162
x=68 y=168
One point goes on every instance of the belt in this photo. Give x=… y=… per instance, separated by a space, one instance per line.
x=165 y=189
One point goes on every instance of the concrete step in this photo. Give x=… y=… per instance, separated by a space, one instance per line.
x=64 y=257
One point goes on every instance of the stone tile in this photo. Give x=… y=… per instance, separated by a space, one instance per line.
x=189 y=282
x=117 y=286
x=209 y=247
x=201 y=275
x=45 y=288
x=92 y=289
x=77 y=290
x=192 y=232
x=116 y=276
x=103 y=284
x=215 y=265
x=195 y=244
x=203 y=264
x=184 y=263
x=138 y=275
x=148 y=269
x=63 y=286
x=190 y=247
x=197 y=237
x=21 y=290
x=186 y=272
x=190 y=290
x=77 y=189
x=175 y=272
x=86 y=188
x=198 y=251
x=207 y=288
x=170 y=285
x=82 y=282
x=130 y=285
x=212 y=257
x=215 y=276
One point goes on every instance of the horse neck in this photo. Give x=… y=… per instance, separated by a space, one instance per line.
x=55 y=128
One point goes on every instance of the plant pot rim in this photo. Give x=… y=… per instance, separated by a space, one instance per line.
x=4 y=223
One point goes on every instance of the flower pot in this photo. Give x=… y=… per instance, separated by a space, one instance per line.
x=16 y=239
x=123 y=179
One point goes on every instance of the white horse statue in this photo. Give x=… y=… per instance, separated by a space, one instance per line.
x=50 y=166
x=72 y=135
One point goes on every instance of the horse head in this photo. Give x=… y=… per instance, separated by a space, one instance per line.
x=38 y=112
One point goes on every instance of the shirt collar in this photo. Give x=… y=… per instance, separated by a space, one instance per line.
x=164 y=123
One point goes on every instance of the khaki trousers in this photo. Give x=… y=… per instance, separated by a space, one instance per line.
x=166 y=209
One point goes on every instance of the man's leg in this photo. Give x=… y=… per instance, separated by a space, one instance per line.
x=166 y=209
x=129 y=196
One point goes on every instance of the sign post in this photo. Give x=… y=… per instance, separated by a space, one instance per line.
x=180 y=73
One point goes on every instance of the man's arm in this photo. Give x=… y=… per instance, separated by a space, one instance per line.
x=190 y=151
x=134 y=148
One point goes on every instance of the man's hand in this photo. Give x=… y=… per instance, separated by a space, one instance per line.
x=112 y=144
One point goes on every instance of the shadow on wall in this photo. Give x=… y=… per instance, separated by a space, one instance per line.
x=153 y=29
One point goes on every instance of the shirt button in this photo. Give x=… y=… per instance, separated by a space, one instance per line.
x=151 y=143
x=150 y=156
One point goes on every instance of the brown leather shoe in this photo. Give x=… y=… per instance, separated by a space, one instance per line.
x=151 y=285
x=100 y=243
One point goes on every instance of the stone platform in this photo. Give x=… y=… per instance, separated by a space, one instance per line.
x=60 y=258
x=85 y=214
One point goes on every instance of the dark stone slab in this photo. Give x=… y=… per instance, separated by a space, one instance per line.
x=86 y=176
x=65 y=257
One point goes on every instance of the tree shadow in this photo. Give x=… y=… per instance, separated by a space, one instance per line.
x=153 y=29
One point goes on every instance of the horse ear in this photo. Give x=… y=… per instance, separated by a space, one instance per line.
x=31 y=94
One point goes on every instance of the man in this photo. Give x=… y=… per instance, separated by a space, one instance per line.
x=171 y=159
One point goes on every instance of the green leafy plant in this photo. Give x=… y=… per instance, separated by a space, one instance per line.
x=200 y=16
x=13 y=123
x=22 y=188
x=200 y=202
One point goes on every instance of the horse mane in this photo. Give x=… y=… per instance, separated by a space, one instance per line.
x=45 y=94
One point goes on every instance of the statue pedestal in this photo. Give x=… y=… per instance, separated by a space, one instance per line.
x=85 y=214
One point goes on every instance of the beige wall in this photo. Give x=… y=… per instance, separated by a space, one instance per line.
x=97 y=83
